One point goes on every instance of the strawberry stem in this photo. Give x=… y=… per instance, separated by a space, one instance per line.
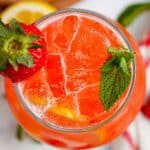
x=14 y=46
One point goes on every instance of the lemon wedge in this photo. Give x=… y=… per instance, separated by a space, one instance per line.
x=27 y=11
x=67 y=113
x=62 y=111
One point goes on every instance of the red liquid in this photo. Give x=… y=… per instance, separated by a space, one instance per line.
x=65 y=92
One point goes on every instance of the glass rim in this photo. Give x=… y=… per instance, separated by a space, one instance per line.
x=122 y=105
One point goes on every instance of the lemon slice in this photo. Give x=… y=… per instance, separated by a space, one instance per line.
x=68 y=113
x=65 y=112
x=27 y=11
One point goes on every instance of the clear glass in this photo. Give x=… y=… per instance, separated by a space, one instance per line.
x=92 y=135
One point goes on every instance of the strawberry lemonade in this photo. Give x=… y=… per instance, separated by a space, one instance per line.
x=61 y=104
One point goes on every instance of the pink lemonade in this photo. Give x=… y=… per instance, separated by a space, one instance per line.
x=60 y=104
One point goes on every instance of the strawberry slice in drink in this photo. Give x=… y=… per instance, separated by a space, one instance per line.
x=55 y=76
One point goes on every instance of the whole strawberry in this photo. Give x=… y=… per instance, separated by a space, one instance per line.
x=22 y=50
x=146 y=109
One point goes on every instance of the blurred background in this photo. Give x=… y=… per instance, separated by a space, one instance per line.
x=14 y=138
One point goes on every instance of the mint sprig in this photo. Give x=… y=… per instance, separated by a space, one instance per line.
x=116 y=76
x=131 y=12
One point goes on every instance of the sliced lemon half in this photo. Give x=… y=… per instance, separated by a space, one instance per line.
x=27 y=11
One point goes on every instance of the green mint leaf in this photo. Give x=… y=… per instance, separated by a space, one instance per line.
x=19 y=133
x=109 y=65
x=131 y=12
x=124 y=66
x=122 y=52
x=116 y=76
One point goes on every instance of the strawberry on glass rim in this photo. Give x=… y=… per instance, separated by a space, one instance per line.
x=22 y=50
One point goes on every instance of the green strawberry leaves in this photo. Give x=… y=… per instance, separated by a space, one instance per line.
x=15 y=27
x=14 y=46
x=3 y=62
x=116 y=76
x=4 y=32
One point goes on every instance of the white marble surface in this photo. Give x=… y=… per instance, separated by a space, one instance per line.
x=7 y=122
